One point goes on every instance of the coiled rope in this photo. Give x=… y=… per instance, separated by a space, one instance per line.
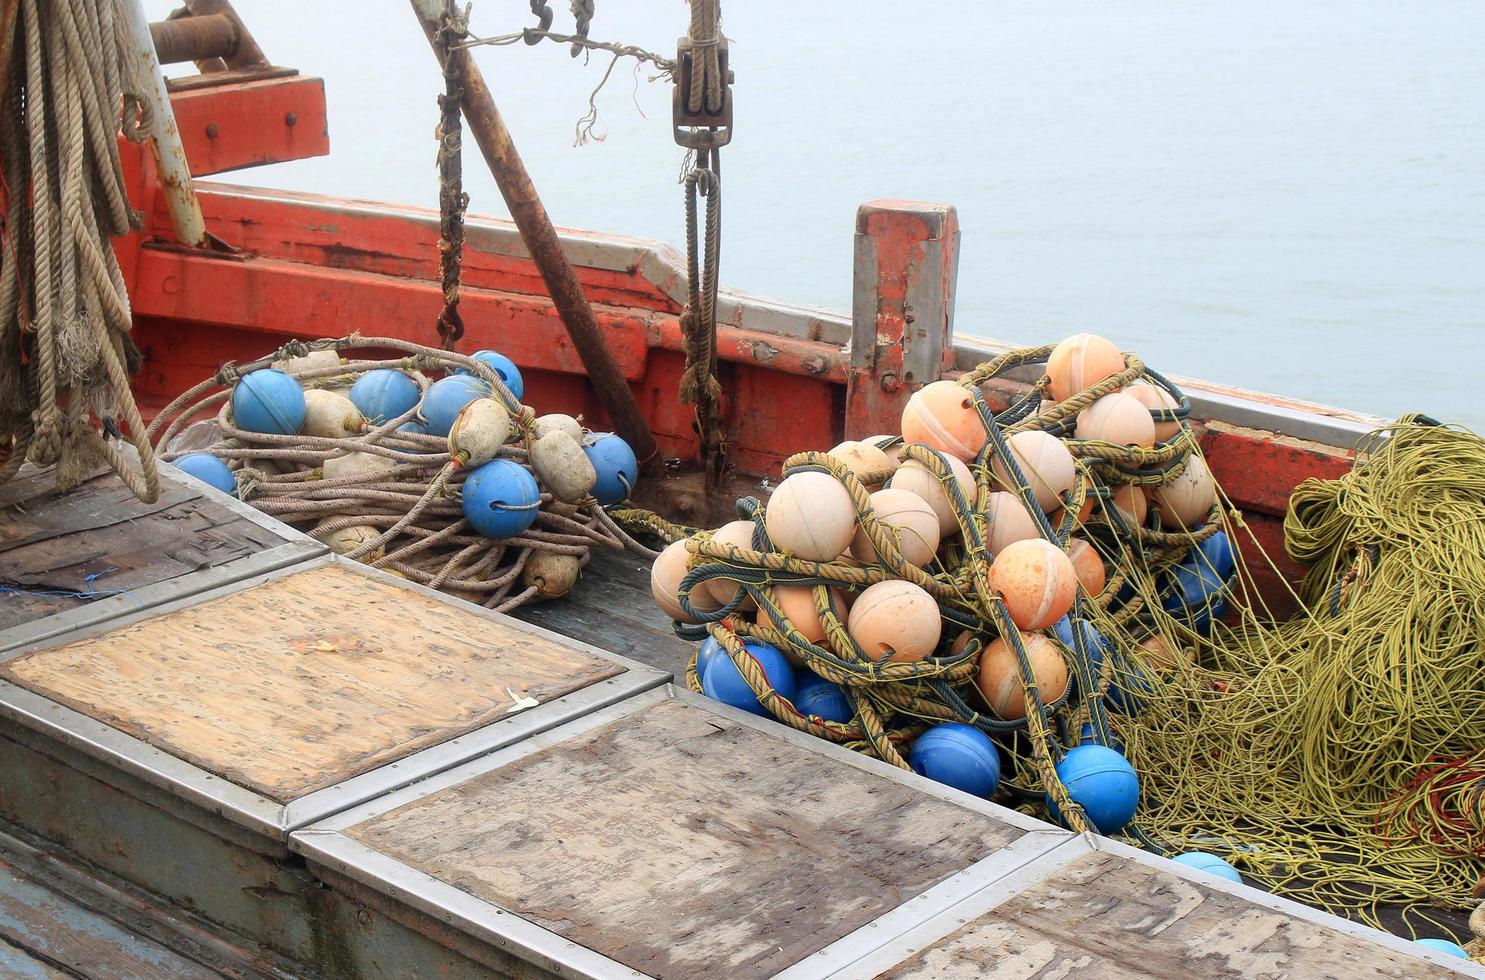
x=410 y=513
x=64 y=311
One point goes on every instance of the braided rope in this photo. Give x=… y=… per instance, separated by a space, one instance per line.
x=64 y=311
x=411 y=508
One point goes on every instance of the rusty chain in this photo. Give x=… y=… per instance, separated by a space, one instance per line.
x=452 y=200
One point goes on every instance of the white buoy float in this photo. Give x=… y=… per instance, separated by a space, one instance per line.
x=562 y=466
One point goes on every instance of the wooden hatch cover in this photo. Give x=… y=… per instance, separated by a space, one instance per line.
x=684 y=844
x=1104 y=915
x=61 y=550
x=302 y=681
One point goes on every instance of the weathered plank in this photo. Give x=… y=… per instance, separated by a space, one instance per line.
x=51 y=574
x=45 y=928
x=612 y=607
x=305 y=680
x=98 y=502
x=1105 y=916
x=684 y=844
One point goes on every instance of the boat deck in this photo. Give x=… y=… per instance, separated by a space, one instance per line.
x=256 y=759
x=612 y=608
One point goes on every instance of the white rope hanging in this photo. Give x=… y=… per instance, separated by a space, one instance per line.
x=64 y=310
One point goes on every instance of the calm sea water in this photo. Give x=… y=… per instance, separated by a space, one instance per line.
x=1282 y=196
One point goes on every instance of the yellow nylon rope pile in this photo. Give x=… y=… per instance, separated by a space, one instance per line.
x=1339 y=757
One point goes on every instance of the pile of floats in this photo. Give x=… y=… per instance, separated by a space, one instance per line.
x=426 y=465
x=980 y=596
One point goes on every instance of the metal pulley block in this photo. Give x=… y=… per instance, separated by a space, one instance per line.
x=701 y=130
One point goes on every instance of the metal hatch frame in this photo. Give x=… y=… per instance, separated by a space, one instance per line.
x=326 y=846
x=893 y=950
x=80 y=735
x=297 y=547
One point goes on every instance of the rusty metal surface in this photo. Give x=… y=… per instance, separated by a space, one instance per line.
x=530 y=216
x=246 y=53
x=194 y=38
x=902 y=309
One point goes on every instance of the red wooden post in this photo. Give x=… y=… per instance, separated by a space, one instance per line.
x=902 y=309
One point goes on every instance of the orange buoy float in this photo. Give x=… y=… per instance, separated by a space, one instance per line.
x=1088 y=565
x=1154 y=397
x=1044 y=461
x=797 y=603
x=811 y=516
x=1037 y=582
x=1000 y=676
x=665 y=584
x=1081 y=361
x=1129 y=500
x=1186 y=501
x=865 y=460
x=1118 y=418
x=942 y=415
x=895 y=620
x=1009 y=520
x=908 y=520
x=739 y=534
x=916 y=478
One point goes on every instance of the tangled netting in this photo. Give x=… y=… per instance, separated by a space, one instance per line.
x=1340 y=756
x=405 y=512
x=895 y=701
x=64 y=310
x=1336 y=757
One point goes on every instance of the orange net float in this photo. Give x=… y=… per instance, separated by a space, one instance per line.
x=1088 y=566
x=999 y=678
x=1036 y=580
x=811 y=516
x=722 y=590
x=1118 y=418
x=1009 y=522
x=665 y=585
x=1045 y=462
x=1079 y=362
x=908 y=520
x=871 y=464
x=1156 y=398
x=914 y=477
x=1186 y=501
x=895 y=621
x=942 y=415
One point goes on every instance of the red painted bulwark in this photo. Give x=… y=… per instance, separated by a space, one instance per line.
x=309 y=266
x=248 y=124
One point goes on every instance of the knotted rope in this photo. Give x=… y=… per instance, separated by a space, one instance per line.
x=408 y=510
x=64 y=312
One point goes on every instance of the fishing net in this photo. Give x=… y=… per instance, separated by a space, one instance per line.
x=1340 y=756
x=1336 y=757
x=393 y=496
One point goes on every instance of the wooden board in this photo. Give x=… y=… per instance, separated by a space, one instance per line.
x=61 y=551
x=1105 y=916
x=307 y=679
x=611 y=607
x=683 y=844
